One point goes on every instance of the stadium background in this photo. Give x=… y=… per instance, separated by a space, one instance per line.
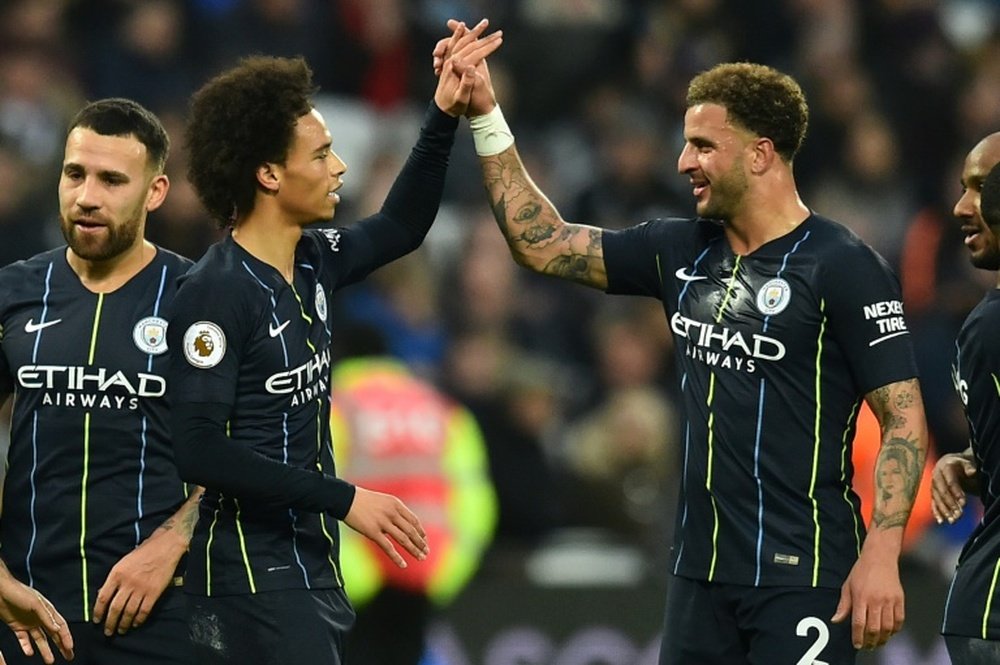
x=574 y=391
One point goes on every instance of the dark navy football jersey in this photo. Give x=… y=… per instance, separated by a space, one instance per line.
x=973 y=606
x=261 y=346
x=90 y=472
x=775 y=350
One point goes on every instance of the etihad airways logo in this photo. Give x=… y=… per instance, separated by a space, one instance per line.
x=90 y=387
x=306 y=382
x=720 y=346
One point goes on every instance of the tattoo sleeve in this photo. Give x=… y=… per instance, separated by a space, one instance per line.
x=900 y=463
x=537 y=236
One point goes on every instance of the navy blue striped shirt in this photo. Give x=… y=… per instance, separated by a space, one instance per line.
x=775 y=350
x=973 y=605
x=90 y=472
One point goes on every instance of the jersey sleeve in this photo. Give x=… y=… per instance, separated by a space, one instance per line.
x=864 y=305
x=630 y=259
x=207 y=328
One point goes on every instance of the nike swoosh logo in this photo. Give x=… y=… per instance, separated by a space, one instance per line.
x=688 y=278
x=274 y=332
x=31 y=326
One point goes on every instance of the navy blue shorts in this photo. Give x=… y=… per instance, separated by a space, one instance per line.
x=729 y=624
x=972 y=650
x=161 y=640
x=270 y=628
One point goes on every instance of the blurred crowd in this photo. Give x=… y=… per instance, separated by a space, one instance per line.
x=574 y=391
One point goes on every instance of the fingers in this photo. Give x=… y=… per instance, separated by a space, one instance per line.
x=129 y=612
x=471 y=53
x=388 y=548
x=115 y=609
x=41 y=641
x=104 y=596
x=55 y=625
x=947 y=494
x=25 y=641
x=844 y=606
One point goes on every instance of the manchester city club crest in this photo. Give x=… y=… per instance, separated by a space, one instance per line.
x=150 y=335
x=774 y=296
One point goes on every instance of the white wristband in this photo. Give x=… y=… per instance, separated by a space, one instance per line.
x=490 y=133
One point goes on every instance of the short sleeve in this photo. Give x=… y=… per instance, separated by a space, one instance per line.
x=864 y=305
x=207 y=331
x=631 y=259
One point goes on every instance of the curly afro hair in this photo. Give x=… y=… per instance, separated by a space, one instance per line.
x=757 y=98
x=239 y=120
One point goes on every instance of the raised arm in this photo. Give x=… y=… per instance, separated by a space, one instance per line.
x=538 y=237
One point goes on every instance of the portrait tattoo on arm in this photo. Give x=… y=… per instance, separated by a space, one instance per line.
x=900 y=462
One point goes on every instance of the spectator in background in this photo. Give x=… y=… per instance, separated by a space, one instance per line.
x=397 y=434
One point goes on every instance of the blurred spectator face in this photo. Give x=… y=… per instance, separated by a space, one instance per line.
x=984 y=251
x=154 y=29
x=105 y=191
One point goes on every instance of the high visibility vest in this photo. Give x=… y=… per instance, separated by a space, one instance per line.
x=397 y=434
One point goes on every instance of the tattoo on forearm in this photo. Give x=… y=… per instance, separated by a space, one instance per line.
x=897 y=476
x=532 y=227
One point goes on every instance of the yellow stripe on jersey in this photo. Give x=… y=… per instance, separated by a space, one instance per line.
x=243 y=549
x=816 y=442
x=989 y=598
x=306 y=317
x=86 y=467
x=996 y=382
x=711 y=427
x=208 y=548
x=322 y=516
x=843 y=472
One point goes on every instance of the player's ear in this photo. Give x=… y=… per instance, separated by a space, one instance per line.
x=158 y=188
x=268 y=178
x=764 y=155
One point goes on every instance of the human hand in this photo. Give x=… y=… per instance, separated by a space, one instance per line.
x=483 y=97
x=460 y=65
x=33 y=619
x=872 y=596
x=953 y=476
x=383 y=518
x=137 y=581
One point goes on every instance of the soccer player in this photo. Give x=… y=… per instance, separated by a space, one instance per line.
x=95 y=517
x=783 y=321
x=971 y=624
x=251 y=384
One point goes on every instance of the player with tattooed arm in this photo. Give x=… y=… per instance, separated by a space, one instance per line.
x=784 y=321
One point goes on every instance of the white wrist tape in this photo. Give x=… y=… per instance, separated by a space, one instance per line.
x=490 y=133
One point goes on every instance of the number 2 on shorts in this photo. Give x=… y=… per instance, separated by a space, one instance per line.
x=822 y=637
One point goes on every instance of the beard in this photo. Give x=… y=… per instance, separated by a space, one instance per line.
x=727 y=194
x=112 y=242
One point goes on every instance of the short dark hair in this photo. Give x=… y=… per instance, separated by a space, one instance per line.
x=989 y=197
x=123 y=117
x=240 y=119
x=757 y=98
